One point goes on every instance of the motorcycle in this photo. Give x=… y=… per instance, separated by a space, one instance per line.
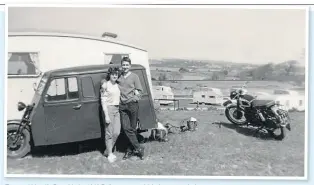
x=245 y=109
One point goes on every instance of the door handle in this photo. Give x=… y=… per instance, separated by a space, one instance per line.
x=77 y=107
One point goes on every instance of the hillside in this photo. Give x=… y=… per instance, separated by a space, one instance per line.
x=180 y=69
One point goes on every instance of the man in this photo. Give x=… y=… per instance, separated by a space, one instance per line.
x=131 y=89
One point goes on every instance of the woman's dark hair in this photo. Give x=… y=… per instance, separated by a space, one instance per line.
x=112 y=70
x=126 y=59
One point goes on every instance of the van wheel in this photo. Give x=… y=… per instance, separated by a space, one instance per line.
x=20 y=148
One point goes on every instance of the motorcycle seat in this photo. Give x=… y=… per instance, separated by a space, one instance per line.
x=263 y=103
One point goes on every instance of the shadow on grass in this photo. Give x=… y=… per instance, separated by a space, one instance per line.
x=67 y=149
x=247 y=131
x=82 y=147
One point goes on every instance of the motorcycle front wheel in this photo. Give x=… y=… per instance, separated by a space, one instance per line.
x=231 y=114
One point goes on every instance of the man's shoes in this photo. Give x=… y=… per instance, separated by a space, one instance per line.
x=127 y=155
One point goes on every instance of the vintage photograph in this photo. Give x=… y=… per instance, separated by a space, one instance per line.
x=157 y=91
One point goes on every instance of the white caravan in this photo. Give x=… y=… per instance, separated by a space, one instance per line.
x=162 y=93
x=208 y=96
x=290 y=99
x=31 y=53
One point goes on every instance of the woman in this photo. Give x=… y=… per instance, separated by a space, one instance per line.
x=110 y=99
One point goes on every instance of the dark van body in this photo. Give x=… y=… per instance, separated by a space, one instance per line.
x=66 y=107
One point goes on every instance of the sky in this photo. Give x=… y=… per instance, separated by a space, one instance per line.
x=235 y=35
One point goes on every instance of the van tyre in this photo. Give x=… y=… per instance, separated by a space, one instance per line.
x=280 y=136
x=21 y=148
x=231 y=118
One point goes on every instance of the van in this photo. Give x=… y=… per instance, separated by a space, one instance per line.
x=66 y=108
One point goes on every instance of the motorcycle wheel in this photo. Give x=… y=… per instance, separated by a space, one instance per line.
x=230 y=114
x=22 y=147
x=280 y=136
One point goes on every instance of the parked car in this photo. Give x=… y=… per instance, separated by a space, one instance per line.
x=66 y=108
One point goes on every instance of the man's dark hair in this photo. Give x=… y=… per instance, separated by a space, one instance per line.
x=112 y=70
x=126 y=59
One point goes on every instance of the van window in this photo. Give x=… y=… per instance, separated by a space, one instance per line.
x=114 y=58
x=88 y=87
x=57 y=89
x=73 y=88
x=22 y=63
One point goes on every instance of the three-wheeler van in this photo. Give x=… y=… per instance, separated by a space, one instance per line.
x=66 y=108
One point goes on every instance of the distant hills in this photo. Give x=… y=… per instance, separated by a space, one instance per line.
x=225 y=70
x=185 y=63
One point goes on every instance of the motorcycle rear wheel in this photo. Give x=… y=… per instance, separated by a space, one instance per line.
x=230 y=111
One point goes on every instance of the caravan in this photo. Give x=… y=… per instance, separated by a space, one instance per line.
x=30 y=54
x=290 y=99
x=208 y=96
x=162 y=93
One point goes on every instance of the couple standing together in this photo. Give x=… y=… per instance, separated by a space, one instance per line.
x=119 y=97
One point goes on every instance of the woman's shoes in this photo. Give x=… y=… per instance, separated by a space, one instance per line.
x=112 y=158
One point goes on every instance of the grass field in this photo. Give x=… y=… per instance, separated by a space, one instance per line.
x=210 y=151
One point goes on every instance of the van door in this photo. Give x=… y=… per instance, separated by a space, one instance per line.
x=90 y=107
x=146 y=113
x=63 y=111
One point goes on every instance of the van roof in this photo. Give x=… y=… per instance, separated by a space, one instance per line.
x=78 y=70
x=69 y=35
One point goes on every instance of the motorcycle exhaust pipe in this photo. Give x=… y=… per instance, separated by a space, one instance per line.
x=261 y=116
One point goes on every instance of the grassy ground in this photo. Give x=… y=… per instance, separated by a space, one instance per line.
x=210 y=151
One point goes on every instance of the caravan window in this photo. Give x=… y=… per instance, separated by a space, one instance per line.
x=114 y=58
x=23 y=63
